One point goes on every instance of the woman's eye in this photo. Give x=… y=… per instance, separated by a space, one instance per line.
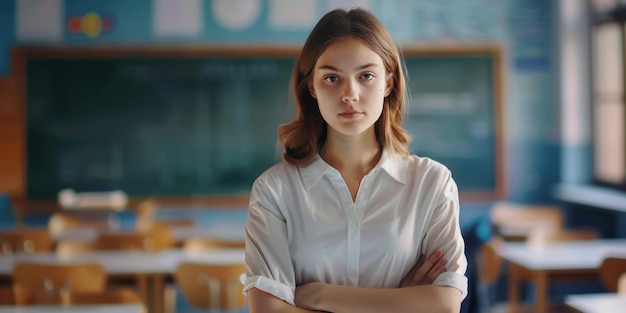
x=367 y=76
x=331 y=79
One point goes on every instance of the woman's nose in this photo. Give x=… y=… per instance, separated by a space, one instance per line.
x=350 y=93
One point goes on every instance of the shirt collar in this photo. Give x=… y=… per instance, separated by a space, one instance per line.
x=391 y=163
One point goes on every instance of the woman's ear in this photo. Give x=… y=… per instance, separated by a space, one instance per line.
x=389 y=85
x=311 y=90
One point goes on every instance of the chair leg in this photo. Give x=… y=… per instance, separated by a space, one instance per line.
x=169 y=299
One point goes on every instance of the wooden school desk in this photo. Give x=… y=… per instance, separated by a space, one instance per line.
x=179 y=234
x=596 y=303
x=100 y=308
x=150 y=268
x=549 y=262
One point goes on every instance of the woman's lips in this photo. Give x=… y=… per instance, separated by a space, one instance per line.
x=349 y=114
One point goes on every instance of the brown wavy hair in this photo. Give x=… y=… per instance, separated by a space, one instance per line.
x=304 y=136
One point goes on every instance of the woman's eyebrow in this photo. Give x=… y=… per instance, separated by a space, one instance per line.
x=361 y=67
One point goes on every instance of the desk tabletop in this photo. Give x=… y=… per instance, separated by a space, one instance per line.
x=597 y=303
x=130 y=262
x=567 y=255
x=179 y=233
x=103 y=308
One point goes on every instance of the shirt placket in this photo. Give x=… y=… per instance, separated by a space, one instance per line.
x=354 y=245
x=355 y=215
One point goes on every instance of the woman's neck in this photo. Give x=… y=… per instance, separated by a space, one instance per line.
x=351 y=154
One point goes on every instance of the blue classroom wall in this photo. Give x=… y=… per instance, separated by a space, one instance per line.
x=524 y=28
x=7 y=217
x=129 y=20
x=7 y=30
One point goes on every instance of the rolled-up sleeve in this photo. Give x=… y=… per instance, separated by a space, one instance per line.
x=268 y=261
x=444 y=233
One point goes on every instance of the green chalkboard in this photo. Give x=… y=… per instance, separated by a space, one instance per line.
x=198 y=125
x=451 y=117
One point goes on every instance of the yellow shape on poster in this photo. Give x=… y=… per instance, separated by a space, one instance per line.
x=91 y=25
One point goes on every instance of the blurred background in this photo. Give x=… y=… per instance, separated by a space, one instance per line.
x=177 y=103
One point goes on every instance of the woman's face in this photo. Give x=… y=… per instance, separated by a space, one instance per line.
x=350 y=84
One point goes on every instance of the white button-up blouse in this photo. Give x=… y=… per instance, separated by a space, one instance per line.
x=303 y=226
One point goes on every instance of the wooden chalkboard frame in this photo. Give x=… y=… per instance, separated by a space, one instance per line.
x=495 y=52
x=22 y=54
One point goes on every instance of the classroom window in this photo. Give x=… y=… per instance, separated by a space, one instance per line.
x=608 y=113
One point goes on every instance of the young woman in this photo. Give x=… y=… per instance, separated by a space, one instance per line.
x=342 y=223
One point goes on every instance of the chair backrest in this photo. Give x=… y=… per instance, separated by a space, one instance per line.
x=196 y=244
x=211 y=286
x=538 y=237
x=154 y=240
x=148 y=224
x=7 y=295
x=621 y=284
x=147 y=208
x=524 y=218
x=610 y=271
x=29 y=240
x=72 y=247
x=44 y=283
x=61 y=222
x=574 y=234
x=488 y=262
x=113 y=295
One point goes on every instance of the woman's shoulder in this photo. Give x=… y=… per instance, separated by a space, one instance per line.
x=431 y=174
x=425 y=169
x=421 y=163
x=277 y=172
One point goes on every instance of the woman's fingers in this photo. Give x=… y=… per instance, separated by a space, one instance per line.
x=430 y=264
x=426 y=270
x=436 y=270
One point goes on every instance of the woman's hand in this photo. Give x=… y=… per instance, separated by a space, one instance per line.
x=312 y=295
x=425 y=271
x=309 y=296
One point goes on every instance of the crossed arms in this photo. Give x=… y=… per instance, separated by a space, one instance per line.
x=415 y=295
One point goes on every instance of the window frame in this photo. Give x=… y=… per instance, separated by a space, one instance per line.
x=616 y=14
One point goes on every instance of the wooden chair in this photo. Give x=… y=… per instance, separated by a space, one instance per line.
x=610 y=271
x=514 y=221
x=67 y=284
x=44 y=283
x=196 y=244
x=211 y=286
x=199 y=244
x=28 y=240
x=490 y=264
x=116 y=295
x=154 y=240
x=489 y=267
x=7 y=295
x=151 y=224
x=621 y=284
x=147 y=208
x=538 y=237
x=146 y=219
x=71 y=247
x=62 y=222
